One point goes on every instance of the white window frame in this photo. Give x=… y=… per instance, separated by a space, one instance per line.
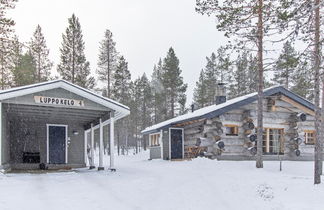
x=158 y=139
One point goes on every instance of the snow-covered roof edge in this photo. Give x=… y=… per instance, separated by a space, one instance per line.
x=216 y=110
x=121 y=109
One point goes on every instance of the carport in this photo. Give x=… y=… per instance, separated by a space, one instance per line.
x=47 y=124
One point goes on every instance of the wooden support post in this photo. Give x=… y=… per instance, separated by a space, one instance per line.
x=92 y=165
x=101 y=148
x=112 y=141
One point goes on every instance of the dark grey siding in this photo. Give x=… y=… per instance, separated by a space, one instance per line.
x=155 y=152
x=31 y=136
x=5 y=151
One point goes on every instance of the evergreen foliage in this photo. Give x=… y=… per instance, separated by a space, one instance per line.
x=200 y=96
x=40 y=53
x=285 y=66
x=107 y=61
x=158 y=94
x=6 y=39
x=26 y=71
x=73 y=66
x=174 y=86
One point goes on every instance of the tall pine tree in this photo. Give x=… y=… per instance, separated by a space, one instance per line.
x=285 y=66
x=73 y=66
x=174 y=86
x=200 y=97
x=107 y=61
x=40 y=53
x=211 y=79
x=122 y=93
x=25 y=72
x=158 y=92
x=248 y=23
x=6 y=39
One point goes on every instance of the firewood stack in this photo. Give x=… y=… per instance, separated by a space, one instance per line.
x=292 y=133
x=212 y=131
x=249 y=134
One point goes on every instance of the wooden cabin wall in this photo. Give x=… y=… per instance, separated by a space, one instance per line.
x=277 y=118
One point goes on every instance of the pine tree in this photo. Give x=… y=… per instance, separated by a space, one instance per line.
x=285 y=65
x=6 y=35
x=303 y=81
x=200 y=97
x=17 y=53
x=121 y=93
x=40 y=52
x=107 y=60
x=240 y=85
x=223 y=67
x=173 y=82
x=249 y=23
x=158 y=92
x=212 y=77
x=73 y=66
x=26 y=71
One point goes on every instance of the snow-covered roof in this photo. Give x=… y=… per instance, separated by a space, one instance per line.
x=120 y=109
x=216 y=110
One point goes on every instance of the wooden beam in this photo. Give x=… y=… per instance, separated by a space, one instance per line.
x=297 y=105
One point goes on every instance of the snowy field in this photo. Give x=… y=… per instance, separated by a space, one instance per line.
x=149 y=185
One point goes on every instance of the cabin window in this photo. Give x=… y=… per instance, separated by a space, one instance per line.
x=154 y=139
x=309 y=137
x=231 y=130
x=273 y=141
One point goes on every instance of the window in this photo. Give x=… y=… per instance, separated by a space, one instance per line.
x=273 y=141
x=231 y=130
x=309 y=137
x=155 y=140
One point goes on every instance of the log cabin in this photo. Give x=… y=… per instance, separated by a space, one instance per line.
x=227 y=129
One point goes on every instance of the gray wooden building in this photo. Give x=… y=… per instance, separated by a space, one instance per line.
x=52 y=125
x=227 y=129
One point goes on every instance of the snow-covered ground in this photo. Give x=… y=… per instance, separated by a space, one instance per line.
x=142 y=184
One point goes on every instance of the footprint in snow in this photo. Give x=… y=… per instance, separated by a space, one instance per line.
x=265 y=192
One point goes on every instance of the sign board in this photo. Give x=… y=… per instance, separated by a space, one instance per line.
x=58 y=101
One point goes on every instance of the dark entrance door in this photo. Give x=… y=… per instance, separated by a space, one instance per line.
x=56 y=144
x=176 y=143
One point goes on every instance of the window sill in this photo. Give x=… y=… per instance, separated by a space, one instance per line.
x=154 y=146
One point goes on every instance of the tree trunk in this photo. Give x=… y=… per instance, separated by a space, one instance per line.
x=317 y=149
x=108 y=71
x=172 y=105
x=259 y=161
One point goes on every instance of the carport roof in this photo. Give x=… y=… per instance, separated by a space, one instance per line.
x=120 y=109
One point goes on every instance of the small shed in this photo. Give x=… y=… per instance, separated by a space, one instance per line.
x=52 y=124
x=227 y=129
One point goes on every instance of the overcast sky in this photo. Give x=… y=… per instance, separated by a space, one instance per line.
x=143 y=30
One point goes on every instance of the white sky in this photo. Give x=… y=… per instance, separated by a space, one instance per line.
x=143 y=30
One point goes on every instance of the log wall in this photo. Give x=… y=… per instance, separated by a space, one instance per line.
x=276 y=117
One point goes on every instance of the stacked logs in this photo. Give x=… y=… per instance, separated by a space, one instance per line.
x=249 y=135
x=212 y=131
x=292 y=133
